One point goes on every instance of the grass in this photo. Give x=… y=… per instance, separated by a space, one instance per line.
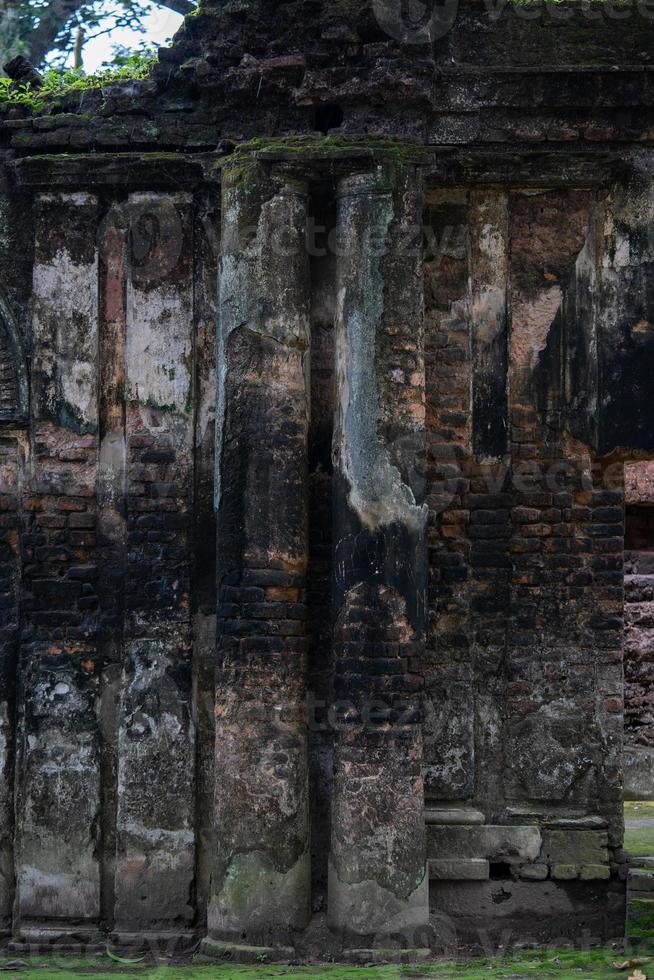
x=57 y=84
x=639 y=841
x=595 y=964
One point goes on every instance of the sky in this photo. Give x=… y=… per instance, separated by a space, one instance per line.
x=160 y=25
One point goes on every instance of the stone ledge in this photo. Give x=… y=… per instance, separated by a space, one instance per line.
x=513 y=845
x=586 y=872
x=58 y=948
x=237 y=953
x=168 y=938
x=533 y=872
x=641 y=881
x=42 y=935
x=575 y=847
x=454 y=816
x=464 y=869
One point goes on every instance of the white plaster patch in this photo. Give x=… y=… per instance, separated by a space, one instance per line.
x=4 y=735
x=159 y=347
x=621 y=256
x=78 y=198
x=65 y=324
x=488 y=310
x=378 y=493
x=492 y=244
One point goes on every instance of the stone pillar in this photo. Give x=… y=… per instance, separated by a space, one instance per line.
x=59 y=740
x=378 y=886
x=156 y=742
x=261 y=874
x=11 y=467
x=112 y=529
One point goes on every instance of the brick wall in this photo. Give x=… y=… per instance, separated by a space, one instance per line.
x=109 y=599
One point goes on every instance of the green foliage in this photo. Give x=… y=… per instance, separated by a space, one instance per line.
x=60 y=82
x=131 y=57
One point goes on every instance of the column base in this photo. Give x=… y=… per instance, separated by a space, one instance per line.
x=64 y=938
x=25 y=950
x=239 y=953
x=35 y=940
x=166 y=940
x=366 y=914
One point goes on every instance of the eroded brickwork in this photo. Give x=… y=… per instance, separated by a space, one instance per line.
x=639 y=631
x=315 y=405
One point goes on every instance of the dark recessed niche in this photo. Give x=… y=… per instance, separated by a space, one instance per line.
x=327 y=117
x=639 y=527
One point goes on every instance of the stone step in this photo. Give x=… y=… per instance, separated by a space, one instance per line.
x=640 y=899
x=459 y=869
x=639 y=863
x=639 y=880
x=456 y=816
x=513 y=845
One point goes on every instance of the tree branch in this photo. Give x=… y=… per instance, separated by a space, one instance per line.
x=53 y=20
x=59 y=13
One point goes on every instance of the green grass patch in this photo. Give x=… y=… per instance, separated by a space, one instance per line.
x=640 y=918
x=639 y=841
x=595 y=964
x=57 y=84
x=639 y=811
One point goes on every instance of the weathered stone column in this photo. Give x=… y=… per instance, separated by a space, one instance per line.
x=378 y=886
x=156 y=738
x=11 y=465
x=261 y=875
x=59 y=741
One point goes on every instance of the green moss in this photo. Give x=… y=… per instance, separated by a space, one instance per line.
x=151 y=403
x=57 y=84
x=591 y=964
x=328 y=146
